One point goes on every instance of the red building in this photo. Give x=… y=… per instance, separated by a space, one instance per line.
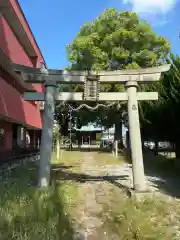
x=17 y=45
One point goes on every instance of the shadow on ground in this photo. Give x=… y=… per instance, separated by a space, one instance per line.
x=163 y=172
x=86 y=149
x=60 y=173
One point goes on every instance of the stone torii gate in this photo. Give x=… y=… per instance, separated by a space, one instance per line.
x=130 y=78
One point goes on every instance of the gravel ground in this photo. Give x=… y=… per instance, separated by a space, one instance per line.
x=93 y=194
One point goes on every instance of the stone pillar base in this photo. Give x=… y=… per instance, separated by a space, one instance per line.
x=142 y=195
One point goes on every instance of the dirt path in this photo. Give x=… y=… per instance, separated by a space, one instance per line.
x=89 y=208
x=97 y=191
x=93 y=195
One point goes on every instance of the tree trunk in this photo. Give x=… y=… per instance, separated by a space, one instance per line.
x=156 y=148
x=127 y=139
x=142 y=141
x=177 y=149
x=118 y=134
x=58 y=148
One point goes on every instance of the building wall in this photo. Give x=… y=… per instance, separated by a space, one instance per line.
x=7 y=143
x=12 y=48
x=13 y=107
x=8 y=135
x=27 y=29
x=10 y=45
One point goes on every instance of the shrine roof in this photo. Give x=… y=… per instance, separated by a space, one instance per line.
x=89 y=128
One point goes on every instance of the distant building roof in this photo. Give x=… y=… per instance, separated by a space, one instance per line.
x=89 y=128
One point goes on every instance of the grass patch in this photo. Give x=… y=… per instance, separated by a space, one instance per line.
x=125 y=218
x=28 y=213
x=68 y=158
x=104 y=158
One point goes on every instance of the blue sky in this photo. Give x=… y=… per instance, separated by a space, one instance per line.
x=55 y=23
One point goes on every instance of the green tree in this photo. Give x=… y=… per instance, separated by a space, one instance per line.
x=162 y=117
x=106 y=43
x=116 y=40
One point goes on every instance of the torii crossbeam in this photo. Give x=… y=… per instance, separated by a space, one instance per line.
x=130 y=78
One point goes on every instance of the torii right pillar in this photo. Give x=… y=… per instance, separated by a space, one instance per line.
x=135 y=137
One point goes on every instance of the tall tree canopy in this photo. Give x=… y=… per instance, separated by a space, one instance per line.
x=107 y=41
x=116 y=40
x=161 y=118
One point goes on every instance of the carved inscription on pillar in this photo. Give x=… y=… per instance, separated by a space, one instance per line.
x=49 y=106
x=134 y=107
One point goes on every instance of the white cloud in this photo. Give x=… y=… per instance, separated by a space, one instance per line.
x=151 y=6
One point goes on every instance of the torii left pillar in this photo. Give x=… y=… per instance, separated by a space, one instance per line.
x=47 y=134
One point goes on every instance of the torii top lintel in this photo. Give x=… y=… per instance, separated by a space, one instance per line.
x=37 y=75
